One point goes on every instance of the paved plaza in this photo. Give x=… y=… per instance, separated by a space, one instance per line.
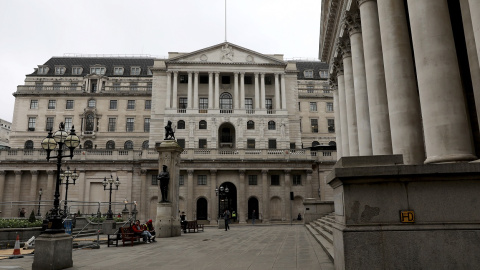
x=242 y=247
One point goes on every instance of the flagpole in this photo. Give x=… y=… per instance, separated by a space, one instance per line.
x=225 y=20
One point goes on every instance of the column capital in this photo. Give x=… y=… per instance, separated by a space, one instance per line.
x=169 y=72
x=143 y=171
x=353 y=22
x=213 y=172
x=236 y=72
x=210 y=72
x=338 y=65
x=242 y=73
x=360 y=2
x=189 y=72
x=216 y=73
x=256 y=74
x=262 y=74
x=196 y=72
x=264 y=171
x=287 y=171
x=332 y=82
x=50 y=172
x=242 y=171
x=190 y=172
x=175 y=73
x=18 y=172
x=309 y=171
x=33 y=172
x=344 y=48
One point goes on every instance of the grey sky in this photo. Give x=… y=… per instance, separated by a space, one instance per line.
x=33 y=31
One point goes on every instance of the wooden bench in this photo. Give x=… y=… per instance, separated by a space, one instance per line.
x=200 y=227
x=111 y=238
x=193 y=225
x=129 y=235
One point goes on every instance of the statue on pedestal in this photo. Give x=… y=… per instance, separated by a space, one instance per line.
x=169 y=133
x=164 y=178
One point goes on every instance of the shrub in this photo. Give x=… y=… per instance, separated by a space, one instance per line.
x=32 y=218
x=19 y=223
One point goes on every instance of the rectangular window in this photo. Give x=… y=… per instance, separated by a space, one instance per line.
x=130 y=124
x=133 y=86
x=38 y=86
x=331 y=125
x=299 y=107
x=310 y=89
x=292 y=145
x=135 y=71
x=68 y=123
x=249 y=104
x=181 y=142
x=59 y=70
x=268 y=80
x=203 y=104
x=272 y=143
x=113 y=104
x=69 y=105
x=248 y=79
x=202 y=143
x=112 y=124
x=116 y=87
x=250 y=143
x=49 y=125
x=73 y=86
x=154 y=180
x=314 y=124
x=148 y=104
x=182 y=103
x=52 y=104
x=183 y=78
x=77 y=70
x=203 y=79
x=181 y=180
x=275 y=180
x=297 y=180
x=308 y=73
x=323 y=74
x=225 y=79
x=329 y=106
x=97 y=70
x=56 y=86
x=202 y=180
x=146 y=125
x=313 y=106
x=118 y=71
x=149 y=86
x=31 y=123
x=252 y=180
x=268 y=104
x=131 y=105
x=34 y=104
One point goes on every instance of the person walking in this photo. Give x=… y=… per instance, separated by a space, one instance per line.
x=253 y=217
x=226 y=217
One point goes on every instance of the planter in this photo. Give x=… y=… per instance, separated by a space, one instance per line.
x=8 y=236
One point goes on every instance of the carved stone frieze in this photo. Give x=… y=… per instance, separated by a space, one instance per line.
x=353 y=22
x=345 y=48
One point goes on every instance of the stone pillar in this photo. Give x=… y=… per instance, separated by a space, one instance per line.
x=403 y=101
x=189 y=91
x=174 y=96
x=242 y=90
x=338 y=126
x=144 y=203
x=213 y=198
x=474 y=6
x=342 y=105
x=262 y=90
x=265 y=198
x=210 y=90
x=360 y=85
x=53 y=251
x=287 y=188
x=17 y=186
x=257 y=93
x=33 y=186
x=190 y=195
x=242 y=200
x=277 y=92
x=167 y=222
x=283 y=90
x=235 y=91
x=351 y=111
x=309 y=185
x=169 y=90
x=377 y=92
x=448 y=136
x=195 y=91
x=2 y=189
x=217 y=90
x=81 y=190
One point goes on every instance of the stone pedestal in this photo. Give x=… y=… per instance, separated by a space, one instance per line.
x=167 y=221
x=221 y=224
x=53 y=251
x=109 y=226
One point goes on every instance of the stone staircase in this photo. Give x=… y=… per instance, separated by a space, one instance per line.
x=322 y=231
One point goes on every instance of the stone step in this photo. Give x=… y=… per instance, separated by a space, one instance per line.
x=328 y=235
x=326 y=245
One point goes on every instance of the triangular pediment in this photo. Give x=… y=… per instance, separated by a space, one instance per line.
x=226 y=53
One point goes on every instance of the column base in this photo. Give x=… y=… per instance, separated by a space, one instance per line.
x=450 y=158
x=53 y=251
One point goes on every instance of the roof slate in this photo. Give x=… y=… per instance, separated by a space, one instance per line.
x=316 y=66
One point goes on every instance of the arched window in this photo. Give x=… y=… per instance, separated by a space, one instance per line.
x=250 y=124
x=88 y=144
x=128 y=145
x=202 y=124
x=110 y=145
x=226 y=102
x=29 y=144
x=89 y=123
x=315 y=143
x=181 y=124
x=271 y=125
x=145 y=145
x=91 y=103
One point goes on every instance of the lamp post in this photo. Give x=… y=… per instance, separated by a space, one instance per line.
x=62 y=139
x=220 y=192
x=39 y=200
x=125 y=202
x=111 y=182
x=66 y=175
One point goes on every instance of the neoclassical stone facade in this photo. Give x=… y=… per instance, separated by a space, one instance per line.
x=246 y=120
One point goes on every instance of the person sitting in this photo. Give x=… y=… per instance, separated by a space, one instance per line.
x=138 y=230
x=299 y=216
x=183 y=222
x=149 y=227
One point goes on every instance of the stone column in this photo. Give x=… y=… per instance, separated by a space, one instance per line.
x=287 y=188
x=282 y=89
x=351 y=111
x=360 y=85
x=474 y=6
x=242 y=90
x=338 y=126
x=217 y=90
x=190 y=195
x=277 y=92
x=342 y=105
x=195 y=91
x=144 y=204
x=210 y=90
x=403 y=101
x=377 y=92
x=189 y=91
x=266 y=198
x=448 y=136
x=235 y=91
x=257 y=93
x=2 y=189
x=213 y=198
x=174 y=96
x=33 y=186
x=169 y=90
x=17 y=186
x=242 y=200
x=81 y=190
x=262 y=90
x=309 y=185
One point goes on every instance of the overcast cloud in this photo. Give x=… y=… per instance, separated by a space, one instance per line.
x=33 y=31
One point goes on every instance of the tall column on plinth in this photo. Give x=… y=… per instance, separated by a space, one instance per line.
x=242 y=90
x=236 y=98
x=175 y=88
x=210 y=90
x=265 y=198
x=16 y=188
x=190 y=195
x=189 y=91
x=342 y=106
x=338 y=127
x=195 y=91
x=257 y=93
x=242 y=204
x=262 y=90
x=213 y=197
x=283 y=91
x=33 y=185
x=167 y=222
x=217 y=90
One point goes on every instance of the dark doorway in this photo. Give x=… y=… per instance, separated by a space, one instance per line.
x=202 y=206
x=227 y=135
x=229 y=200
x=252 y=205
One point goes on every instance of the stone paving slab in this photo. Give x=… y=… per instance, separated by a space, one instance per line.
x=242 y=247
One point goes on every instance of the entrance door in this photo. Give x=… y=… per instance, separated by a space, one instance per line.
x=228 y=200
x=202 y=206
x=252 y=205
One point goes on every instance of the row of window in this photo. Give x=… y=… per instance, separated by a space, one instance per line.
x=314 y=125
x=203 y=143
x=90 y=123
x=73 y=86
x=309 y=74
x=252 y=180
x=60 y=70
x=52 y=104
x=88 y=144
x=203 y=124
x=203 y=79
x=313 y=106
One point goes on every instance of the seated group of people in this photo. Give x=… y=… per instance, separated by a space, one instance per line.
x=147 y=231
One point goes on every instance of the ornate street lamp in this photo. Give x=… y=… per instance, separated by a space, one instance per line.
x=39 y=200
x=66 y=175
x=111 y=182
x=125 y=202
x=221 y=192
x=62 y=139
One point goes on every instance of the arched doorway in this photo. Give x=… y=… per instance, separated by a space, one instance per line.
x=229 y=200
x=202 y=206
x=226 y=134
x=252 y=205
x=276 y=209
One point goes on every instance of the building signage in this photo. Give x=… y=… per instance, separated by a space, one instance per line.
x=407 y=216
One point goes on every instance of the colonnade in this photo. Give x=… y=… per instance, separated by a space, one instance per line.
x=386 y=104
x=214 y=90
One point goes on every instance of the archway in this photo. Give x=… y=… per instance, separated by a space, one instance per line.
x=226 y=134
x=252 y=205
x=275 y=209
x=202 y=209
x=229 y=201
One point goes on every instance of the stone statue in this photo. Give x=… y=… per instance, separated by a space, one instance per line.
x=227 y=52
x=164 y=178
x=169 y=133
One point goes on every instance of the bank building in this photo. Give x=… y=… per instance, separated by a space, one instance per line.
x=259 y=125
